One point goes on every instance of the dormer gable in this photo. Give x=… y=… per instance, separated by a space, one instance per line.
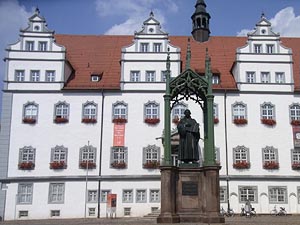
x=263 y=28
x=151 y=26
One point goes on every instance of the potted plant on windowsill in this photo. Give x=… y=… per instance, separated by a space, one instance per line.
x=118 y=165
x=89 y=120
x=58 y=165
x=29 y=120
x=240 y=121
x=296 y=165
x=151 y=164
x=241 y=165
x=269 y=122
x=216 y=120
x=61 y=120
x=26 y=165
x=87 y=164
x=295 y=122
x=271 y=165
x=119 y=120
x=152 y=120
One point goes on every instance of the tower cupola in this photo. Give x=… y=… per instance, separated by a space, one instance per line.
x=200 y=20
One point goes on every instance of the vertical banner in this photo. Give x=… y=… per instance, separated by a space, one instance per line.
x=119 y=133
x=111 y=205
x=296 y=135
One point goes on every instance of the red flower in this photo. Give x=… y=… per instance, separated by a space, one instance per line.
x=241 y=165
x=216 y=120
x=271 y=165
x=152 y=120
x=296 y=165
x=29 y=120
x=295 y=122
x=118 y=165
x=26 y=166
x=176 y=120
x=88 y=120
x=240 y=121
x=151 y=164
x=269 y=122
x=58 y=165
x=85 y=164
x=61 y=120
x=119 y=120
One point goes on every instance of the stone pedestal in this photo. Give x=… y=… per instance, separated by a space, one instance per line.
x=190 y=195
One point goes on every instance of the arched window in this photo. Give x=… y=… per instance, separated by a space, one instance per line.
x=151 y=157
x=295 y=112
x=87 y=157
x=270 y=158
x=61 y=112
x=59 y=157
x=30 y=112
x=178 y=110
x=27 y=158
x=267 y=111
x=89 y=112
x=241 y=157
x=119 y=112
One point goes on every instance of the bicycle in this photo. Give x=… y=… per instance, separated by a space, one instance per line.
x=228 y=213
x=281 y=212
x=248 y=214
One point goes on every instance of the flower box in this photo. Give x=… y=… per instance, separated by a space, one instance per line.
x=119 y=120
x=58 y=165
x=61 y=120
x=152 y=120
x=271 y=165
x=240 y=121
x=269 y=122
x=26 y=166
x=176 y=120
x=295 y=122
x=296 y=166
x=88 y=120
x=89 y=165
x=241 y=165
x=151 y=165
x=29 y=120
x=216 y=120
x=118 y=165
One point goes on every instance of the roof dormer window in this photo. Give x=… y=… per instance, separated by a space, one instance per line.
x=144 y=47
x=257 y=48
x=157 y=47
x=29 y=46
x=96 y=77
x=270 y=49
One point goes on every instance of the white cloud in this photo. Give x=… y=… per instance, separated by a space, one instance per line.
x=285 y=22
x=133 y=12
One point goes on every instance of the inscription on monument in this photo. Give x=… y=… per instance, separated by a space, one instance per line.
x=189 y=188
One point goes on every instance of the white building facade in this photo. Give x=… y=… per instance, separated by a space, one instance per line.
x=79 y=123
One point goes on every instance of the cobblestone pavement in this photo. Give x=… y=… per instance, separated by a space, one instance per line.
x=259 y=220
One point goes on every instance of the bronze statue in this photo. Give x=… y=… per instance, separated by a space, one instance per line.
x=189 y=134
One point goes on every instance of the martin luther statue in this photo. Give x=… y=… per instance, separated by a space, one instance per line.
x=189 y=134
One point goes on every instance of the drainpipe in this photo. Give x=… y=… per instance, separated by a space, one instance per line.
x=226 y=149
x=100 y=157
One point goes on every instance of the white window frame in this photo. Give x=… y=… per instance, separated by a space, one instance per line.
x=103 y=195
x=135 y=76
x=151 y=110
x=164 y=75
x=87 y=153
x=56 y=193
x=215 y=79
x=280 y=77
x=248 y=193
x=270 y=48
x=223 y=192
x=92 y=211
x=43 y=46
x=29 y=46
x=250 y=77
x=127 y=196
x=294 y=111
x=144 y=47
x=241 y=154
x=141 y=196
x=150 y=76
x=239 y=110
x=59 y=154
x=89 y=110
x=25 y=193
x=30 y=110
x=178 y=110
x=92 y=196
x=265 y=77
x=267 y=111
x=270 y=154
x=34 y=75
x=119 y=155
x=154 y=195
x=61 y=110
x=216 y=111
x=27 y=154
x=295 y=155
x=277 y=194
x=157 y=47
x=19 y=75
x=257 y=48
x=50 y=75
x=151 y=153
x=119 y=110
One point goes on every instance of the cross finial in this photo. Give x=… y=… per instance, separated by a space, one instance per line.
x=151 y=14
x=37 y=11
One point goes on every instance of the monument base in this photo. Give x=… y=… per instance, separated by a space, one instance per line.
x=190 y=194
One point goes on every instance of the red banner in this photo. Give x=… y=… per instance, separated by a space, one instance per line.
x=296 y=135
x=119 y=134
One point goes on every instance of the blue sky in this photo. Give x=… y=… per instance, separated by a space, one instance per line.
x=228 y=17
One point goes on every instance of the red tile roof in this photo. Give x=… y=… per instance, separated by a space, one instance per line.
x=89 y=54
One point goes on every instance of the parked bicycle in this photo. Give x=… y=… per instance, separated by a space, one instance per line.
x=280 y=212
x=228 y=213
x=245 y=213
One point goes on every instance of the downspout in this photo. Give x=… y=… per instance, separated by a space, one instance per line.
x=100 y=156
x=226 y=149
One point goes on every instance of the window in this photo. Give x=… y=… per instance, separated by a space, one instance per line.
x=19 y=75
x=239 y=111
x=217 y=156
x=265 y=77
x=141 y=196
x=151 y=110
x=277 y=195
x=50 y=75
x=223 y=194
x=135 y=76
x=103 y=195
x=29 y=46
x=30 y=112
x=35 y=75
x=295 y=112
x=150 y=76
x=270 y=156
x=127 y=211
x=127 y=196
x=241 y=157
x=25 y=193
x=154 y=195
x=157 y=47
x=164 y=76
x=279 y=78
x=270 y=49
x=215 y=79
x=298 y=190
x=23 y=213
x=178 y=110
x=27 y=155
x=87 y=157
x=250 y=77
x=61 y=112
x=59 y=157
x=89 y=111
x=257 y=48
x=96 y=78
x=92 y=196
x=295 y=154
x=120 y=111
x=54 y=213
x=56 y=192
x=267 y=111
x=248 y=193
x=144 y=47
x=119 y=157
x=216 y=114
x=151 y=157
x=92 y=211
x=43 y=46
